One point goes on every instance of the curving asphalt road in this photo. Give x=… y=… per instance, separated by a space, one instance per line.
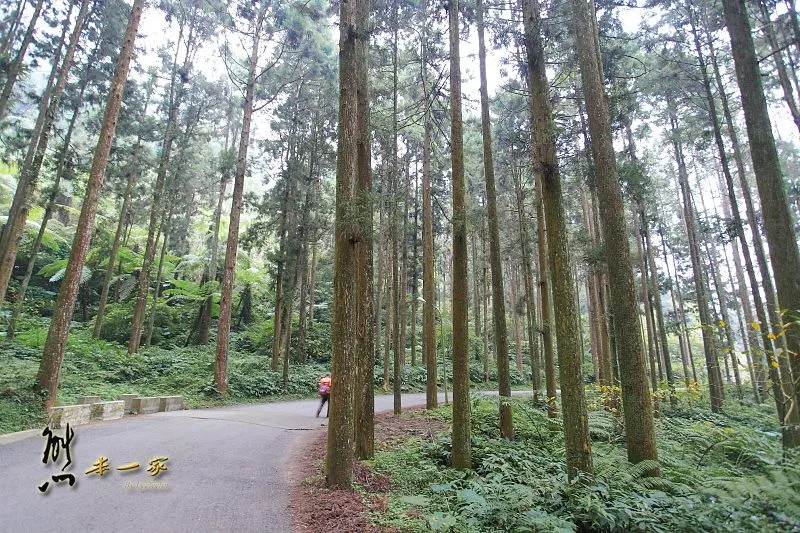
x=226 y=471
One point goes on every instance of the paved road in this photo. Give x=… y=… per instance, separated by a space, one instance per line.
x=226 y=471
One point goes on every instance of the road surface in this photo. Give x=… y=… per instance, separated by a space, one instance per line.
x=226 y=470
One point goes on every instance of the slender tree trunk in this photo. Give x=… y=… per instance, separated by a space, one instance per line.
x=545 y=164
x=301 y=323
x=780 y=66
x=395 y=225
x=656 y=293
x=781 y=237
x=403 y=295
x=639 y=428
x=477 y=298
x=495 y=261
x=61 y=169
x=130 y=182
x=55 y=345
x=648 y=317
x=9 y=33
x=205 y=325
x=29 y=174
x=461 y=453
x=313 y=287
x=277 y=320
x=165 y=223
x=365 y=339
x=514 y=282
x=751 y=339
x=177 y=83
x=414 y=272
x=226 y=286
x=16 y=65
x=707 y=323
x=428 y=282
x=527 y=278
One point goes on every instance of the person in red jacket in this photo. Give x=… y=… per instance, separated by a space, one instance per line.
x=325 y=393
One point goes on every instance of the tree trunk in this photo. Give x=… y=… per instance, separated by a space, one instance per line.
x=347 y=314
x=461 y=453
x=29 y=174
x=428 y=283
x=545 y=165
x=55 y=345
x=176 y=94
x=780 y=66
x=159 y=273
x=205 y=324
x=781 y=237
x=313 y=286
x=527 y=278
x=61 y=169
x=495 y=261
x=637 y=409
x=365 y=339
x=10 y=32
x=231 y=249
x=16 y=65
x=707 y=323
x=414 y=272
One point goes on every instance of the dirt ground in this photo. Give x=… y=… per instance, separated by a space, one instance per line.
x=316 y=508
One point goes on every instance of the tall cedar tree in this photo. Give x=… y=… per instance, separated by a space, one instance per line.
x=178 y=79
x=56 y=343
x=498 y=291
x=17 y=65
x=29 y=176
x=778 y=224
x=462 y=453
x=636 y=403
x=228 y=270
x=348 y=233
x=545 y=164
x=428 y=283
x=365 y=333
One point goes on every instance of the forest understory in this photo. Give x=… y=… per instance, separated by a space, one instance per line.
x=719 y=472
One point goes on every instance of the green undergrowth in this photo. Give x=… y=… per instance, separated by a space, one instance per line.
x=719 y=472
x=101 y=368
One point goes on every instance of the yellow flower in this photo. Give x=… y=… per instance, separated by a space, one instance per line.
x=756 y=325
x=771 y=336
x=774 y=363
x=722 y=323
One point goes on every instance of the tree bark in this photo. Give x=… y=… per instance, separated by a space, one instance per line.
x=781 y=237
x=55 y=345
x=16 y=65
x=365 y=334
x=638 y=414
x=231 y=249
x=176 y=88
x=428 y=283
x=348 y=317
x=495 y=261
x=545 y=165
x=461 y=452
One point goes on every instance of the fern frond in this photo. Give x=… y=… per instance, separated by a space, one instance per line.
x=644 y=468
